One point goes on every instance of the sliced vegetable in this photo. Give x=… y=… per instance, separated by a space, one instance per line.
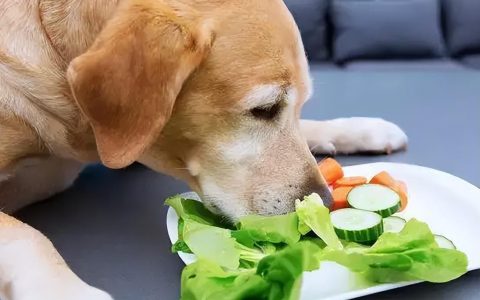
x=339 y=196
x=376 y=198
x=411 y=254
x=384 y=178
x=357 y=225
x=403 y=186
x=443 y=242
x=312 y=214
x=330 y=169
x=393 y=224
x=245 y=264
x=401 y=189
x=350 y=181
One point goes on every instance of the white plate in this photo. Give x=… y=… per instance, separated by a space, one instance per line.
x=448 y=204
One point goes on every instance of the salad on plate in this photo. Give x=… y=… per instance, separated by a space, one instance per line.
x=264 y=257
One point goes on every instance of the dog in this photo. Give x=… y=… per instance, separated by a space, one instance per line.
x=208 y=91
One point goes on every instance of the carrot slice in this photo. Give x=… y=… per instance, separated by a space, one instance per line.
x=403 y=185
x=383 y=178
x=330 y=169
x=401 y=189
x=398 y=186
x=350 y=181
x=339 y=196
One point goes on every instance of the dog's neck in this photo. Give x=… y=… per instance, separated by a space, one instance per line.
x=73 y=25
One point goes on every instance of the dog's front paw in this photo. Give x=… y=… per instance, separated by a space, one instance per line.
x=353 y=135
x=31 y=268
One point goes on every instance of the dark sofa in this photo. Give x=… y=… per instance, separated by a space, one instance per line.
x=383 y=35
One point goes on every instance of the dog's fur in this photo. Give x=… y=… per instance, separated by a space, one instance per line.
x=208 y=91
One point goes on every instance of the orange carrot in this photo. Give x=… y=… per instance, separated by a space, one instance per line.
x=399 y=187
x=383 y=178
x=403 y=185
x=339 y=196
x=330 y=169
x=350 y=181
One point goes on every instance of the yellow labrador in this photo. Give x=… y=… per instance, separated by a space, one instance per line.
x=208 y=91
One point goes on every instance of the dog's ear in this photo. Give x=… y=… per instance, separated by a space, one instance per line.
x=127 y=81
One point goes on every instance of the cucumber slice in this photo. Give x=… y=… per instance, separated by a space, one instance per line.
x=357 y=225
x=393 y=224
x=443 y=242
x=374 y=197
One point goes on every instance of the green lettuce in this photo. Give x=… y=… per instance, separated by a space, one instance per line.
x=312 y=214
x=283 y=270
x=204 y=280
x=411 y=254
x=188 y=209
x=277 y=277
x=263 y=257
x=196 y=211
x=274 y=229
x=180 y=245
x=217 y=245
x=211 y=243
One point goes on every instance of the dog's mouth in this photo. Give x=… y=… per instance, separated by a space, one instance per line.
x=233 y=207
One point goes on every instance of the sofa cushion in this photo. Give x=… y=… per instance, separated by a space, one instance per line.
x=310 y=16
x=462 y=22
x=381 y=29
x=405 y=65
x=472 y=61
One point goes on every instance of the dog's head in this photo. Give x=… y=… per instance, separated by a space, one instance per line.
x=209 y=92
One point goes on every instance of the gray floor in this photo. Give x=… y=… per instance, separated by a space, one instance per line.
x=110 y=226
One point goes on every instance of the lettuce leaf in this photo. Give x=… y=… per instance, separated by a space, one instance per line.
x=196 y=211
x=211 y=243
x=411 y=254
x=283 y=270
x=277 y=277
x=180 y=244
x=217 y=245
x=188 y=209
x=415 y=234
x=274 y=229
x=206 y=280
x=314 y=215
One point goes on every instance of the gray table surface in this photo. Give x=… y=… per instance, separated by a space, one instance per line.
x=110 y=226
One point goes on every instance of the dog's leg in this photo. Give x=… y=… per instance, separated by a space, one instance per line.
x=35 y=179
x=352 y=135
x=32 y=269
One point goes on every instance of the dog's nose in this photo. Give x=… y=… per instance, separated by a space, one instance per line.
x=319 y=185
x=325 y=194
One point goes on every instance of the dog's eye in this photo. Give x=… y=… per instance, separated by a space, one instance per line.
x=266 y=112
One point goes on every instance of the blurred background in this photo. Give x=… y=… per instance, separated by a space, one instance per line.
x=390 y=34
